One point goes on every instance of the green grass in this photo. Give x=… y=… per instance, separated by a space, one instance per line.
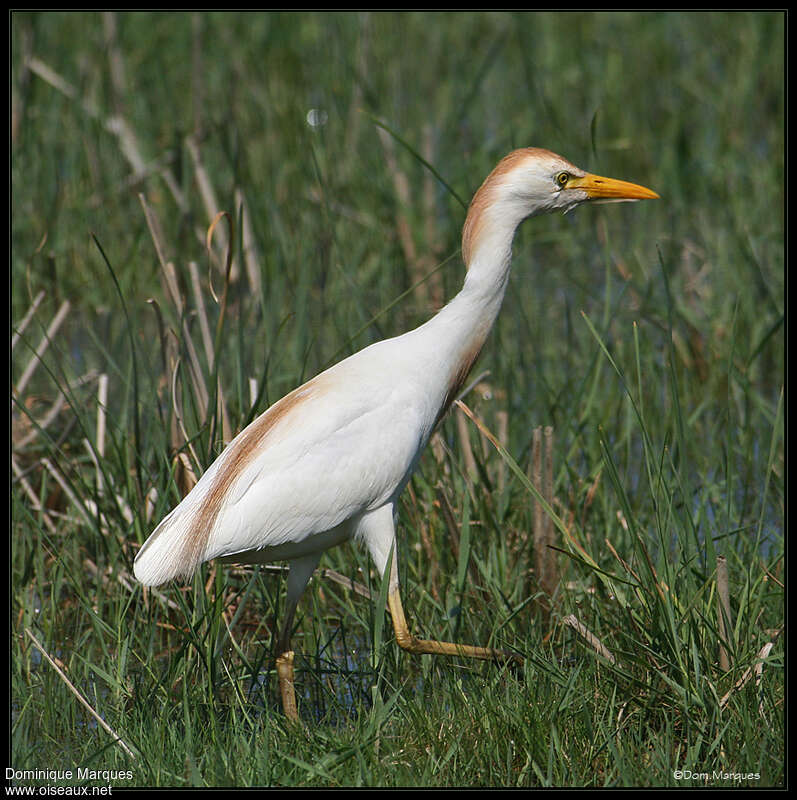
x=649 y=336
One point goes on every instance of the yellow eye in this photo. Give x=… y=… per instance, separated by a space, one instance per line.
x=561 y=179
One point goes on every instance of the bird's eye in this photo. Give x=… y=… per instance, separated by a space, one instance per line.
x=561 y=179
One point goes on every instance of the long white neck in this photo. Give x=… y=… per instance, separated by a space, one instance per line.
x=458 y=332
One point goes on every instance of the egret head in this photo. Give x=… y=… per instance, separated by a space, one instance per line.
x=534 y=181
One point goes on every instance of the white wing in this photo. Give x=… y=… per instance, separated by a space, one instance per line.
x=343 y=443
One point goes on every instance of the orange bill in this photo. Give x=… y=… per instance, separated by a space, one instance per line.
x=609 y=189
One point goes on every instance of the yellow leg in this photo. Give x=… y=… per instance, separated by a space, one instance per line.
x=412 y=645
x=285 y=674
x=378 y=531
x=300 y=571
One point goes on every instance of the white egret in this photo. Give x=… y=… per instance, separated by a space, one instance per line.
x=328 y=461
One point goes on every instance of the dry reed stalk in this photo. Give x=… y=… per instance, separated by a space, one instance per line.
x=102 y=404
x=593 y=641
x=211 y=204
x=35 y=360
x=184 y=473
x=52 y=413
x=251 y=254
x=34 y=498
x=120 y=501
x=196 y=373
x=207 y=342
x=61 y=674
x=169 y=275
x=115 y=60
x=417 y=266
x=464 y=443
x=116 y=125
x=20 y=329
x=625 y=564
x=204 y=324
x=41 y=424
x=50 y=467
x=170 y=357
x=150 y=501
x=168 y=272
x=185 y=476
x=226 y=428
x=756 y=669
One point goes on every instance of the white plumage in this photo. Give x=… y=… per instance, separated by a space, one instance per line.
x=328 y=461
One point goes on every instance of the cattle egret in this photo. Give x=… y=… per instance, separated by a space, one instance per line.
x=327 y=462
